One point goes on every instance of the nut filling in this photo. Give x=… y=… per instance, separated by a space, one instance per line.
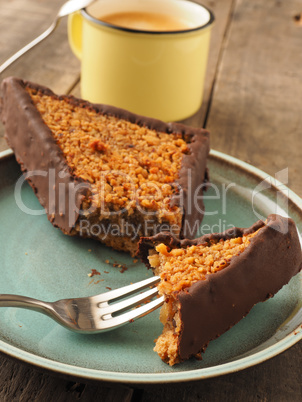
x=131 y=169
x=178 y=269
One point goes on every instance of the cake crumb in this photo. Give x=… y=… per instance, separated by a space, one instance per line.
x=94 y=282
x=26 y=253
x=107 y=261
x=106 y=272
x=94 y=272
x=109 y=288
x=298 y=19
x=124 y=268
x=89 y=250
x=99 y=146
x=135 y=261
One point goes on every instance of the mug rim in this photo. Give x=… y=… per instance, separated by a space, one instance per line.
x=89 y=17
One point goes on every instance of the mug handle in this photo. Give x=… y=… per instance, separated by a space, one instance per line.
x=75 y=23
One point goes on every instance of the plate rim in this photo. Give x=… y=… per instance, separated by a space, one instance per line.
x=239 y=364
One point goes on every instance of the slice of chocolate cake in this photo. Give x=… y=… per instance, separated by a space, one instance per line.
x=104 y=172
x=212 y=282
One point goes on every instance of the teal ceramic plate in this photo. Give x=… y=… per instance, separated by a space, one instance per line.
x=37 y=260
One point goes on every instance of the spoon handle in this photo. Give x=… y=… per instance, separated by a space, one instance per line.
x=30 y=45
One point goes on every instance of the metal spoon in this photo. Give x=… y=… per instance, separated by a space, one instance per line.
x=67 y=8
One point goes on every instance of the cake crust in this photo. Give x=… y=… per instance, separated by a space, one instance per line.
x=36 y=150
x=210 y=307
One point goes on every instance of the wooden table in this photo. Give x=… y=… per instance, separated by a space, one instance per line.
x=252 y=106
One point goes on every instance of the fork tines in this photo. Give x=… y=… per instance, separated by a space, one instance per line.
x=120 y=306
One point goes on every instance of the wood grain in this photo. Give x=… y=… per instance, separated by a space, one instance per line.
x=223 y=11
x=257 y=100
x=252 y=105
x=277 y=380
x=18 y=382
x=50 y=63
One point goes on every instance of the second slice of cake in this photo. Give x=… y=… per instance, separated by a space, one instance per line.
x=103 y=172
x=212 y=282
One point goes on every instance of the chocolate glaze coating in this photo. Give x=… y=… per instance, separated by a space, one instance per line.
x=210 y=307
x=36 y=150
x=39 y=156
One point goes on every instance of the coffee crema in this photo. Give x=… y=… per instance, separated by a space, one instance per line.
x=145 y=21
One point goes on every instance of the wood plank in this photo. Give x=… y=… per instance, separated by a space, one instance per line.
x=19 y=382
x=222 y=11
x=50 y=63
x=246 y=96
x=257 y=102
x=276 y=380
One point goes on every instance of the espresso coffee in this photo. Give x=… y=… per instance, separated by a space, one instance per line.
x=145 y=21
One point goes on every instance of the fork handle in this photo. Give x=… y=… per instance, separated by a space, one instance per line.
x=29 y=46
x=25 y=302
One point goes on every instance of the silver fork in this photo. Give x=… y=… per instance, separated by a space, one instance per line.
x=67 y=8
x=94 y=314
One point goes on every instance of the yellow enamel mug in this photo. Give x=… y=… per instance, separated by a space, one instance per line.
x=158 y=74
